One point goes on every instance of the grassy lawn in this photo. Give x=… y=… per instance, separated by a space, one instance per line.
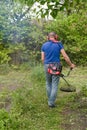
x=23 y=101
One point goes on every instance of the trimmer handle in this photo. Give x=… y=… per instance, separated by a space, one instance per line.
x=71 y=68
x=62 y=75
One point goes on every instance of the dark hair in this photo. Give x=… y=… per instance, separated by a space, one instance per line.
x=52 y=34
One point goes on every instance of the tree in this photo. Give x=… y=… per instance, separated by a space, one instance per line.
x=72 y=32
x=17 y=28
x=54 y=6
x=13 y=15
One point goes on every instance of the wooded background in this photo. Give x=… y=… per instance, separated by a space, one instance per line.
x=22 y=35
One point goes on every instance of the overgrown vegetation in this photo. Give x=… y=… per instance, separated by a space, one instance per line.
x=23 y=101
x=21 y=36
x=72 y=32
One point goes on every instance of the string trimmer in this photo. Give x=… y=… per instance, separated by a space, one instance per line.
x=69 y=87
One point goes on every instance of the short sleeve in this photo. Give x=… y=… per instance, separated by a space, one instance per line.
x=42 y=48
x=60 y=45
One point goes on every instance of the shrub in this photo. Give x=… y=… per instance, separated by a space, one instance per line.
x=72 y=32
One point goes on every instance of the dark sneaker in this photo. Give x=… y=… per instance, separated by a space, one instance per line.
x=52 y=106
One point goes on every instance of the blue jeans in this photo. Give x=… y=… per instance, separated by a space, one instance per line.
x=52 y=82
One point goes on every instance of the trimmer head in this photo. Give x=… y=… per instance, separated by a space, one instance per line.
x=68 y=89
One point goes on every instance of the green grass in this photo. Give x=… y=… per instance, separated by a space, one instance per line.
x=23 y=100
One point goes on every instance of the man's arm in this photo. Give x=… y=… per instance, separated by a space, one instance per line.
x=67 y=59
x=42 y=56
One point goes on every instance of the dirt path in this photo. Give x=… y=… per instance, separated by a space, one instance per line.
x=8 y=84
x=75 y=114
x=74 y=120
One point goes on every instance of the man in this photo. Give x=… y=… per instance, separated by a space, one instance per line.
x=50 y=53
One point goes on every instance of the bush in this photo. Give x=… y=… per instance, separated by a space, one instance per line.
x=37 y=74
x=4 y=68
x=72 y=32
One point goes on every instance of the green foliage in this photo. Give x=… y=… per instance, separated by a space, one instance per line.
x=16 y=27
x=54 y=6
x=4 y=68
x=72 y=32
x=4 y=58
x=84 y=91
x=8 y=121
x=29 y=109
x=4 y=118
x=38 y=74
x=20 y=37
x=13 y=21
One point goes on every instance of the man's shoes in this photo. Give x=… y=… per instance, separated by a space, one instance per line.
x=52 y=106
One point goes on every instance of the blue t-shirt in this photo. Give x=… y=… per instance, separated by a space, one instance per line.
x=52 y=51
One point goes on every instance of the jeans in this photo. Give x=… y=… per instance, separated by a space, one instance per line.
x=52 y=82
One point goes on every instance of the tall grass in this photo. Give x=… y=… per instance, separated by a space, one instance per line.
x=29 y=109
x=37 y=74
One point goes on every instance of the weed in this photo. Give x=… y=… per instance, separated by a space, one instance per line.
x=29 y=109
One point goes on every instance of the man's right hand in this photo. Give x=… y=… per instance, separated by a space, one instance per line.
x=72 y=66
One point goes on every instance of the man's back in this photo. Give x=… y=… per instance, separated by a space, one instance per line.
x=52 y=51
